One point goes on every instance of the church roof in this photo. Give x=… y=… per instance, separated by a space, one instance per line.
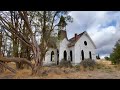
x=74 y=39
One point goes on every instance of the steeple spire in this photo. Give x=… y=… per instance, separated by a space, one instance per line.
x=62 y=23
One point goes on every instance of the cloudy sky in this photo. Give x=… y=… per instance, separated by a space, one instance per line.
x=102 y=26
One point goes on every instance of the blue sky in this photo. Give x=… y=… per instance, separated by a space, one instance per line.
x=102 y=26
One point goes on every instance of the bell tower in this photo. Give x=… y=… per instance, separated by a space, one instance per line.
x=62 y=23
x=62 y=28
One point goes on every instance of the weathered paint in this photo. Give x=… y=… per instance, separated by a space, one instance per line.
x=79 y=46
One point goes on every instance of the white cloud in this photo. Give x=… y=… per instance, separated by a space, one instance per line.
x=99 y=26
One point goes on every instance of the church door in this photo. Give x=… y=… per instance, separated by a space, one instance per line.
x=71 y=55
x=65 y=55
x=90 y=55
x=57 y=56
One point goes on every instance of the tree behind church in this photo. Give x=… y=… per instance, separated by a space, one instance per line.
x=98 y=57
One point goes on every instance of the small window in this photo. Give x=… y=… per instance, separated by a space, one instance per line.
x=85 y=43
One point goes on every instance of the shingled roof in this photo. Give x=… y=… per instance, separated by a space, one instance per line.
x=74 y=39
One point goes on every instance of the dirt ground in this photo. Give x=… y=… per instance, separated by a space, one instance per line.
x=104 y=70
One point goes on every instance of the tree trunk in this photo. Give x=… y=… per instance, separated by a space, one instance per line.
x=38 y=62
x=37 y=58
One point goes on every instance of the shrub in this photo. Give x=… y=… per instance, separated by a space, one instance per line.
x=53 y=64
x=117 y=66
x=88 y=63
x=99 y=66
x=107 y=58
x=77 y=67
x=65 y=63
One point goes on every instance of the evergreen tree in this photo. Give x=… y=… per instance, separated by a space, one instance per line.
x=115 y=55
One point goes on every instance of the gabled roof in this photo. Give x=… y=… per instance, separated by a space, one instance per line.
x=73 y=40
x=62 y=34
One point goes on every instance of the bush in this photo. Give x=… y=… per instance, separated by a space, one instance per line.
x=77 y=67
x=65 y=63
x=88 y=63
x=99 y=66
x=107 y=58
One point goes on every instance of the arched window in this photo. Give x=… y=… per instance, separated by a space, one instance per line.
x=52 y=56
x=90 y=54
x=82 y=54
x=71 y=55
x=65 y=55
x=57 y=56
x=85 y=43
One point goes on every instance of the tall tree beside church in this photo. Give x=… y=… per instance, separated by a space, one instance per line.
x=24 y=49
x=14 y=22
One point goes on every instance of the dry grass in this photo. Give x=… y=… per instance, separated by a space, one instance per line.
x=103 y=70
x=22 y=73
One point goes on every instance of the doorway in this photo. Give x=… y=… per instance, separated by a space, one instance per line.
x=82 y=54
x=57 y=56
x=90 y=54
x=65 y=55
x=71 y=55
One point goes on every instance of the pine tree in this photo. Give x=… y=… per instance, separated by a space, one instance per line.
x=115 y=55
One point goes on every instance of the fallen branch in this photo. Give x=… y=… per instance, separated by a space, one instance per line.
x=16 y=59
x=7 y=67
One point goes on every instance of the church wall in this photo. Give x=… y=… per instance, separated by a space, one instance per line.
x=47 y=60
x=73 y=54
x=80 y=46
x=63 y=47
x=76 y=51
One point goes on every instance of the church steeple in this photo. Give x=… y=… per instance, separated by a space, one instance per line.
x=62 y=34
x=62 y=23
x=62 y=28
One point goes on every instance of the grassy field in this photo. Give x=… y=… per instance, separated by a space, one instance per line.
x=103 y=70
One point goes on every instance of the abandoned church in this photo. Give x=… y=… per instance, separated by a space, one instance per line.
x=76 y=49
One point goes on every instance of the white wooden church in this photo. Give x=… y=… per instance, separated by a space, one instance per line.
x=76 y=49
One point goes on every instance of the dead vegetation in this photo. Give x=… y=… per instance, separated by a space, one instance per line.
x=102 y=70
x=5 y=60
